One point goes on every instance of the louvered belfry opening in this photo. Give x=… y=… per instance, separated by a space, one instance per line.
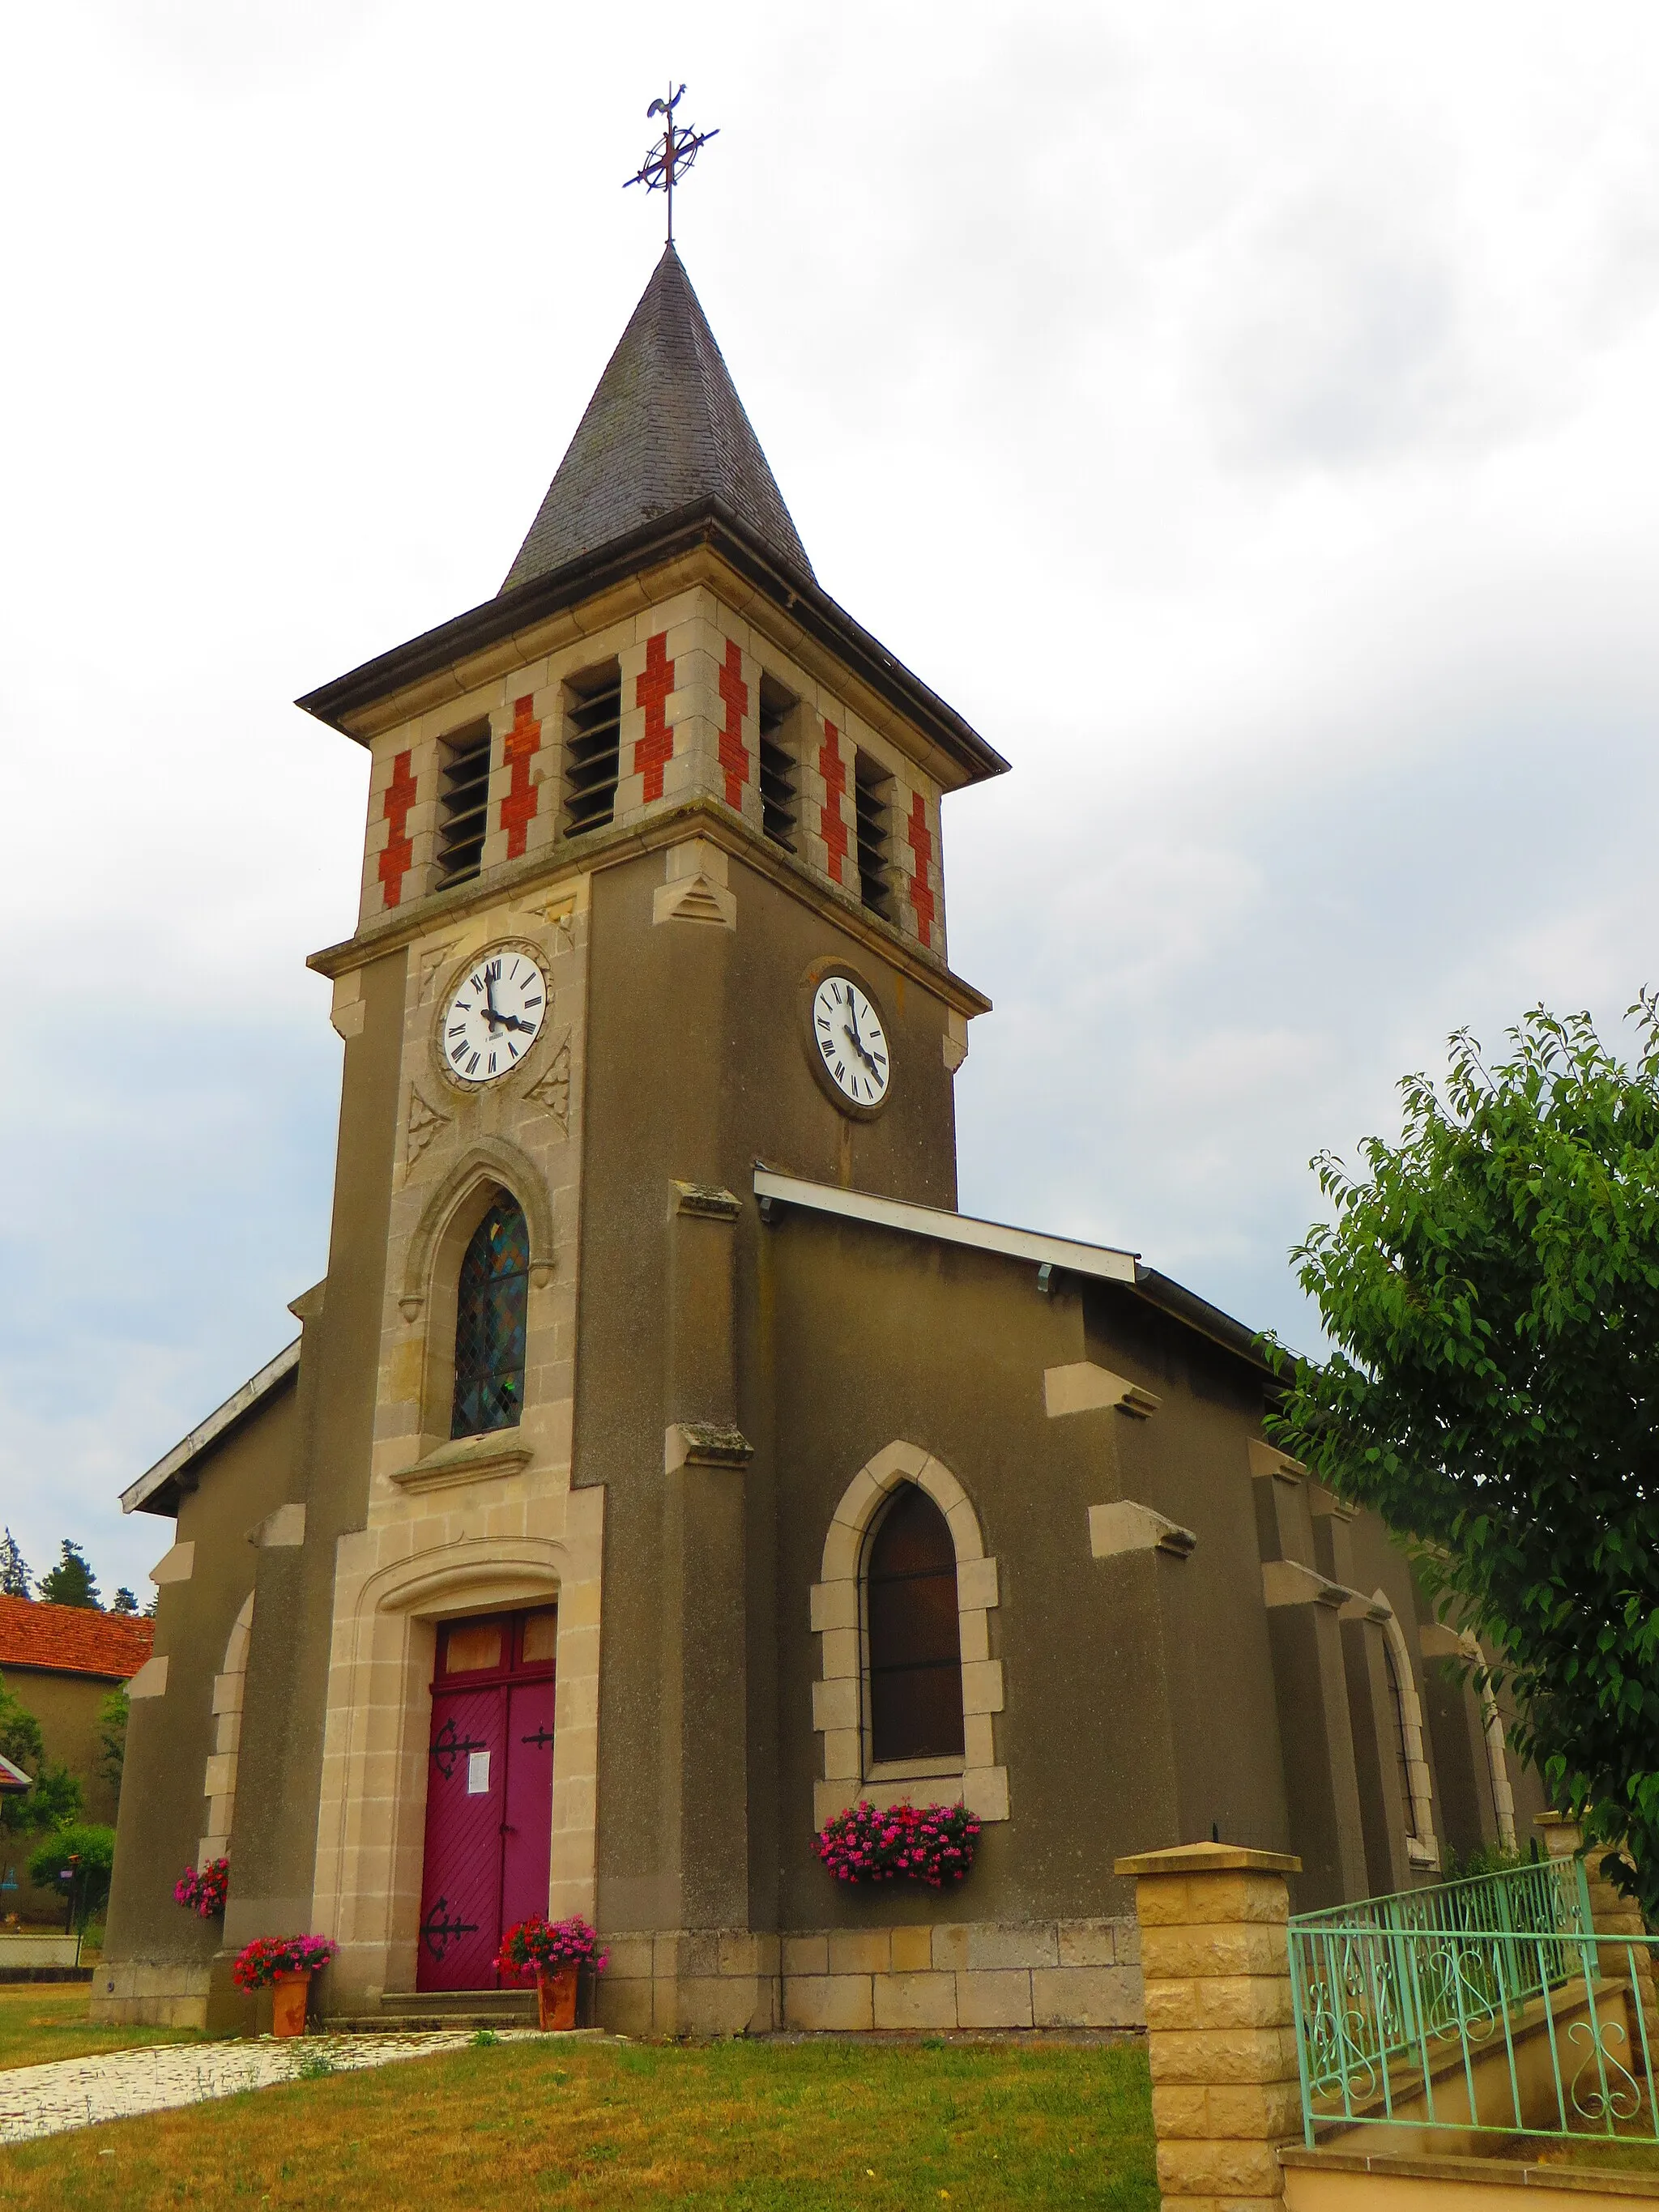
x=491 y=1312
x=871 y=785
x=462 y=804
x=915 y=1638
x=592 y=743
x=780 y=770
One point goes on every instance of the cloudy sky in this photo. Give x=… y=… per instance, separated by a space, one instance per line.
x=1245 y=415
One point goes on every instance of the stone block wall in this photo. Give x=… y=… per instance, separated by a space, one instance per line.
x=966 y=1975
x=141 y=1992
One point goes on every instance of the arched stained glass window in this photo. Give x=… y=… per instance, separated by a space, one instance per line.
x=915 y=1638
x=491 y=1302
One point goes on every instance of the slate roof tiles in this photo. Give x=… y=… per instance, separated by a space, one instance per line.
x=664 y=431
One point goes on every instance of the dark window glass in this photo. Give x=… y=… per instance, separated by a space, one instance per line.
x=490 y=1323
x=916 y=1645
x=1396 y=1699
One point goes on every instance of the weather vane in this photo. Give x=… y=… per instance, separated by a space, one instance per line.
x=672 y=154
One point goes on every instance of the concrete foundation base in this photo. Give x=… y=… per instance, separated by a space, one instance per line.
x=973 y=1974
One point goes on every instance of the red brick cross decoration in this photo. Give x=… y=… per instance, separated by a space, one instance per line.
x=400 y=851
x=524 y=742
x=652 y=686
x=833 y=769
x=734 y=755
x=921 y=890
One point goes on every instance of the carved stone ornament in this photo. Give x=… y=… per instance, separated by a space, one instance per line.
x=552 y=1089
x=559 y=914
x=424 y=1123
x=434 y=959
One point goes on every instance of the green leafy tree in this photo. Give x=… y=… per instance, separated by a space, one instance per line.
x=15 y=1577
x=56 y=1797
x=89 y=1850
x=1490 y=1289
x=20 y=1732
x=112 y=1737
x=72 y=1582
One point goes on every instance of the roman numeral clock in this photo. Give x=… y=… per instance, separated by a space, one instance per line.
x=492 y=1016
x=846 y=1038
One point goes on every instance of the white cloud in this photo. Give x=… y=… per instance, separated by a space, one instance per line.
x=1244 y=416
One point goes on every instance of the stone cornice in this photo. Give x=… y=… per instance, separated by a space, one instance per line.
x=699 y=816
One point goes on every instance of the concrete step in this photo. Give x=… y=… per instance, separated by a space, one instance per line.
x=406 y=2011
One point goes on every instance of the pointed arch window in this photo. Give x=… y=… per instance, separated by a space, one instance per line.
x=492 y=1301
x=914 y=1635
x=1401 y=1746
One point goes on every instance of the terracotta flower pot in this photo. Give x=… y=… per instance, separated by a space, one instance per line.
x=556 y=1997
x=288 y=1993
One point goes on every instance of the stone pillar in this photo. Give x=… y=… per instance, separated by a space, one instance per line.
x=1611 y=1914
x=1219 y=2021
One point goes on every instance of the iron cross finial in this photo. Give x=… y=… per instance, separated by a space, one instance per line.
x=672 y=154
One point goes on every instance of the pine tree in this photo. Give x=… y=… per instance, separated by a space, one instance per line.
x=15 y=1577
x=123 y=1601
x=72 y=1582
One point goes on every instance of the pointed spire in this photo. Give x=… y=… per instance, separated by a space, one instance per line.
x=664 y=431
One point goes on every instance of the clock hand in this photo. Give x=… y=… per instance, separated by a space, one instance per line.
x=853 y=1039
x=495 y=1021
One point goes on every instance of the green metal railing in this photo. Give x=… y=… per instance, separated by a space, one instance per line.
x=1490 y=2003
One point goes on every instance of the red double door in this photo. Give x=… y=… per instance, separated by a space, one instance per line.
x=489 y=1794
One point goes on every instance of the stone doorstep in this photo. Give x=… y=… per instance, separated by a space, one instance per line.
x=1480 y=2172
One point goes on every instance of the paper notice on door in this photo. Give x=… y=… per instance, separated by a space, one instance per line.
x=477 y=1774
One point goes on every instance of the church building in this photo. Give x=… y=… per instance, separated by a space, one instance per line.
x=664 y=1464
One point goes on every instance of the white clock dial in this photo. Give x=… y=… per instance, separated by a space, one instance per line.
x=850 y=1040
x=494 y=1016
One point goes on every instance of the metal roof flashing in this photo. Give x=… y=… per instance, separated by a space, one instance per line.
x=1052 y=1256
x=157 y=1490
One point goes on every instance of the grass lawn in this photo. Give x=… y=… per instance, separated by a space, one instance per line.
x=43 y=2020
x=758 y=2127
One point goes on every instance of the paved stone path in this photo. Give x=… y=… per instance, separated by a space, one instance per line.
x=76 y=2092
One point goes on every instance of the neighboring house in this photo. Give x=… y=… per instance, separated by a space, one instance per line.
x=62 y=1661
x=655 y=1360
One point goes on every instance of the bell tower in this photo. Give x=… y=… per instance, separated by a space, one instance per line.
x=652 y=892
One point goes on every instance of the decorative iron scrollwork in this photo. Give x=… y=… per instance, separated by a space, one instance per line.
x=439 y=1931
x=1615 y=2094
x=449 y=1748
x=542 y=1739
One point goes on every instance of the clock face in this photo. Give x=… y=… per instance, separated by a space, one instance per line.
x=851 y=1042
x=494 y=1016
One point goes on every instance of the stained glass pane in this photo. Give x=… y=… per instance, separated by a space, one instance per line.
x=491 y=1304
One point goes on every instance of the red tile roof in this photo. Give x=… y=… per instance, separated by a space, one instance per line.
x=72 y=1639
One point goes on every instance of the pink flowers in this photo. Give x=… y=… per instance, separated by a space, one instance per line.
x=258 y=1967
x=203 y=1890
x=932 y=1844
x=538 y=1945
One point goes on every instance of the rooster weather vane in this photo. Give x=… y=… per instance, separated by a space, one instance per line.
x=671 y=156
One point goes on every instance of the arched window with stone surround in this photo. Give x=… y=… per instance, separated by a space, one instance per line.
x=1402 y=1747
x=491 y=1309
x=914 y=1633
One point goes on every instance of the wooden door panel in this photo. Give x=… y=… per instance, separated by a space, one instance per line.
x=461 y=1887
x=527 y=1858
